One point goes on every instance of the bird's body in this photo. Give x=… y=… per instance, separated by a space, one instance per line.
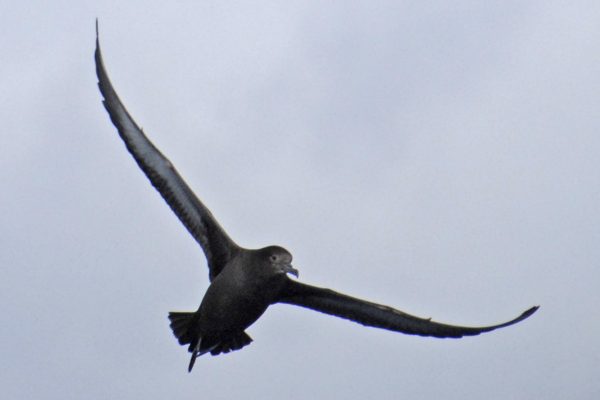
x=247 y=285
x=245 y=282
x=239 y=295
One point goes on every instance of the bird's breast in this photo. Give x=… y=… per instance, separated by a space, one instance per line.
x=234 y=302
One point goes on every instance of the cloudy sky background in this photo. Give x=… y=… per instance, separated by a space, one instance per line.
x=439 y=157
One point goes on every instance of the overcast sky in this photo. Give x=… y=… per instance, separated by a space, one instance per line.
x=439 y=157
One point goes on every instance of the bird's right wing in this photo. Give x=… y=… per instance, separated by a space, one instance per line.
x=198 y=220
x=376 y=315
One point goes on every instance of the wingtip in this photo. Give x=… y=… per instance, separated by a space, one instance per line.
x=527 y=313
x=531 y=310
x=97 y=39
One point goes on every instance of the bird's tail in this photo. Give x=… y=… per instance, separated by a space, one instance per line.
x=231 y=343
x=180 y=324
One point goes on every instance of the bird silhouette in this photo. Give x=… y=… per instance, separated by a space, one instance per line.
x=245 y=282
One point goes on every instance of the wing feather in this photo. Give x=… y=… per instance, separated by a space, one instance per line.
x=379 y=316
x=198 y=220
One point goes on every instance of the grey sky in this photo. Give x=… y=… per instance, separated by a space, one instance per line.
x=441 y=158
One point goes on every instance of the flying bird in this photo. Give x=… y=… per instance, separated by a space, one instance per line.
x=245 y=282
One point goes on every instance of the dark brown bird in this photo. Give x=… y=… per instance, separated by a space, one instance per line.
x=245 y=282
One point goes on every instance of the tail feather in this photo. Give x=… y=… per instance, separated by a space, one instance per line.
x=180 y=324
x=224 y=343
x=232 y=343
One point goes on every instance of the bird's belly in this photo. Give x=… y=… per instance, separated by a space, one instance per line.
x=229 y=311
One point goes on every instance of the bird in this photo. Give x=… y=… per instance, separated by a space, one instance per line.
x=245 y=282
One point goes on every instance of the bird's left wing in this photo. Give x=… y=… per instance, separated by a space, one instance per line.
x=198 y=220
x=377 y=315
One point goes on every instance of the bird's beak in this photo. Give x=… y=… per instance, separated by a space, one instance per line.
x=288 y=269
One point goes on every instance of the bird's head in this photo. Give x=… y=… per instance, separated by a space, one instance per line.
x=280 y=259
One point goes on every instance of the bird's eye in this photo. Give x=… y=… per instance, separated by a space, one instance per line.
x=273 y=258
